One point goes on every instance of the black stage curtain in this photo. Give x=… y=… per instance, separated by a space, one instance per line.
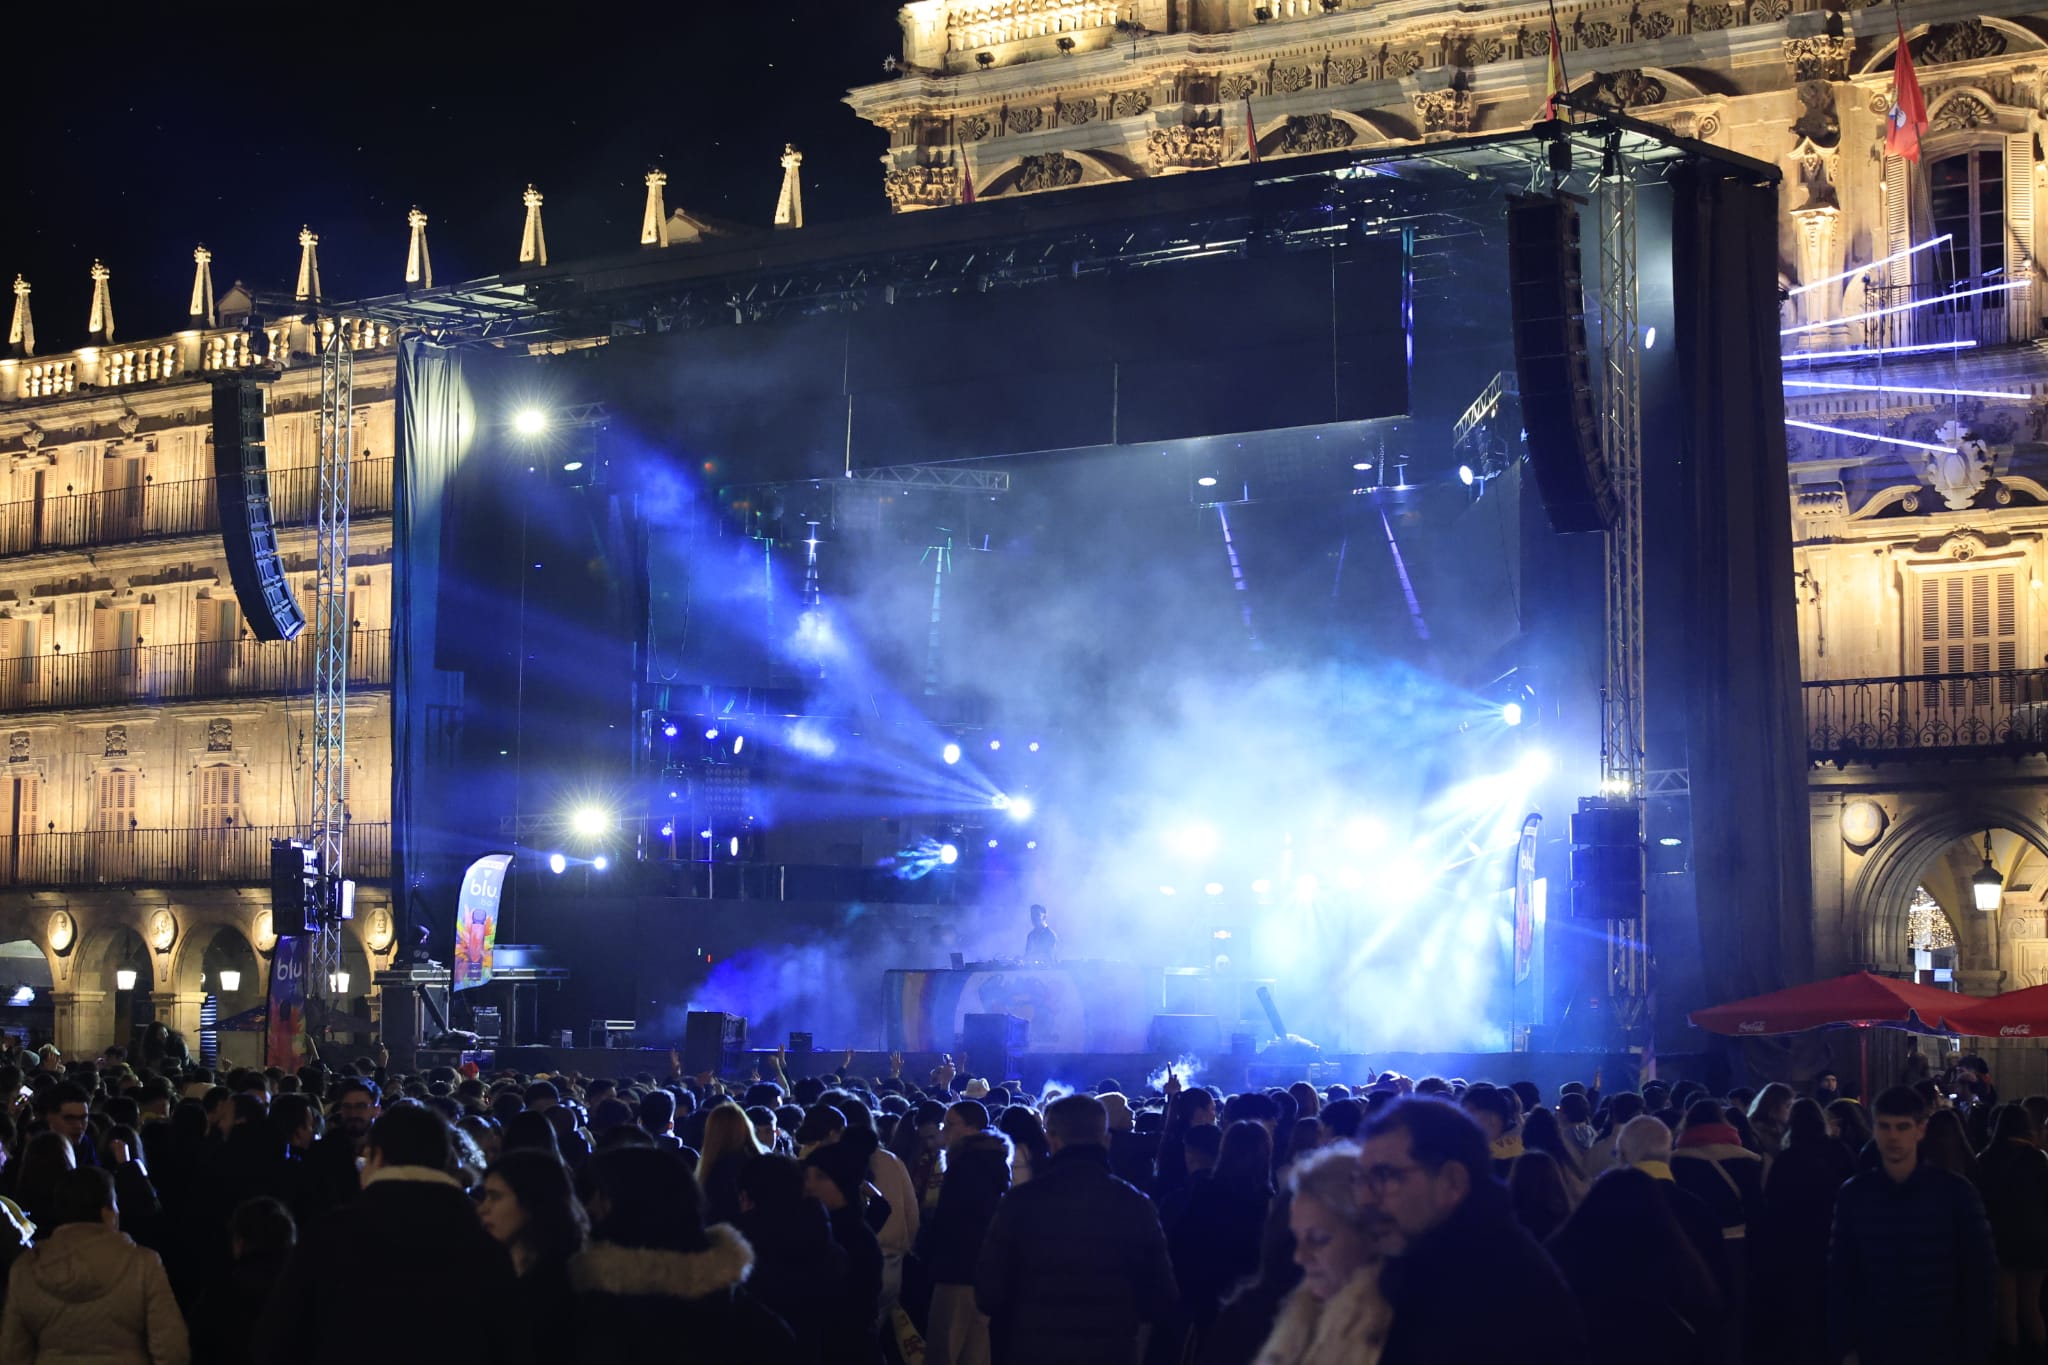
x=1746 y=733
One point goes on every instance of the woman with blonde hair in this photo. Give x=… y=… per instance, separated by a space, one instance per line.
x=729 y=1144
x=1336 y=1316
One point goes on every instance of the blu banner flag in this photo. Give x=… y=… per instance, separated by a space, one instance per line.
x=291 y=968
x=476 y=919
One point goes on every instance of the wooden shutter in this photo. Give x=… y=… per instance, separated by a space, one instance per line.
x=220 y=796
x=1898 y=232
x=116 y=805
x=104 y=622
x=1969 y=623
x=28 y=804
x=2022 y=317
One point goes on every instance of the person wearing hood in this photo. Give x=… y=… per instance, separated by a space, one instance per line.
x=836 y=1175
x=655 y=1273
x=412 y=1225
x=977 y=1161
x=88 y=1293
x=797 y=1265
x=1336 y=1315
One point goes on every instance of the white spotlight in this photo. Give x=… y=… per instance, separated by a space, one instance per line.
x=734 y=845
x=1511 y=714
x=1021 y=808
x=1207 y=481
x=995 y=744
x=739 y=742
x=1261 y=886
x=1193 y=841
x=1649 y=338
x=1363 y=834
x=600 y=862
x=948 y=854
x=951 y=753
x=1465 y=475
x=557 y=864
x=529 y=422
x=1166 y=891
x=589 y=821
x=1214 y=888
x=1533 y=766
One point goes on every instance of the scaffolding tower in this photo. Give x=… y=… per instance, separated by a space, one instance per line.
x=329 y=825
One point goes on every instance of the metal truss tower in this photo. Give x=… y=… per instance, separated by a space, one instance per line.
x=1623 y=742
x=331 y=639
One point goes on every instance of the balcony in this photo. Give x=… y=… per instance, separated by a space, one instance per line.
x=188 y=507
x=174 y=857
x=1927 y=716
x=160 y=673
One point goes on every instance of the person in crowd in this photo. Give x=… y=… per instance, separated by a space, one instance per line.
x=1769 y=1113
x=1461 y=1266
x=729 y=1144
x=1538 y=1193
x=262 y=1234
x=1791 y=1248
x=1575 y=1121
x=1541 y=1132
x=2012 y=1176
x=799 y=1271
x=1849 y=1122
x=1192 y=1107
x=654 y=1273
x=1214 y=1242
x=977 y=1160
x=1947 y=1144
x=1493 y=1109
x=1912 y=1270
x=412 y=1224
x=1336 y=1315
x=891 y=1179
x=1709 y=1161
x=916 y=1143
x=1635 y=1274
x=528 y=1131
x=86 y=1292
x=529 y=1209
x=1028 y=1152
x=332 y=1166
x=45 y=1161
x=836 y=1175
x=65 y=1107
x=658 y=1118
x=1075 y=1262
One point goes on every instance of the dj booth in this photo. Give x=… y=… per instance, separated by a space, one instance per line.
x=1071 y=1007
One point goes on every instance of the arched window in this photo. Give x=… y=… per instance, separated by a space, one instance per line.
x=1966 y=200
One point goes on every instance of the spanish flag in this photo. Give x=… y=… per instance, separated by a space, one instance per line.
x=1908 y=118
x=1251 y=134
x=1553 y=81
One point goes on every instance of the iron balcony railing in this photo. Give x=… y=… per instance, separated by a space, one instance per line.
x=1927 y=715
x=156 y=673
x=186 y=507
x=170 y=857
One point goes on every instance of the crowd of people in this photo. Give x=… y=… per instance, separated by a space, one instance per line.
x=159 y=1212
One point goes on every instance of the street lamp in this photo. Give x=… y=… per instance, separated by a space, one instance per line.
x=1987 y=888
x=338 y=982
x=124 y=979
x=230 y=980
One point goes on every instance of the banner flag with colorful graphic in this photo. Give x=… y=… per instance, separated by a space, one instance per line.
x=291 y=968
x=476 y=920
x=1525 y=897
x=1553 y=73
x=1908 y=117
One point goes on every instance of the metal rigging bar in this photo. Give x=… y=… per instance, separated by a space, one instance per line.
x=330 y=640
x=1623 y=739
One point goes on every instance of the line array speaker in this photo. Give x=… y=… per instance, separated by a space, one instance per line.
x=1607 y=859
x=242 y=485
x=1547 y=300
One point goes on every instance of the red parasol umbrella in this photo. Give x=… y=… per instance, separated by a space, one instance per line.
x=1860 y=998
x=2016 y=1014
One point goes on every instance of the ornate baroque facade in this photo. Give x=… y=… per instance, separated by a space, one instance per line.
x=1920 y=521
x=154 y=749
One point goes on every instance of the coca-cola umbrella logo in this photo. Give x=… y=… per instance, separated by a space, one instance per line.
x=2016 y=1031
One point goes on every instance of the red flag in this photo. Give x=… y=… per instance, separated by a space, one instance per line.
x=966 y=180
x=1553 y=75
x=1908 y=118
x=1251 y=135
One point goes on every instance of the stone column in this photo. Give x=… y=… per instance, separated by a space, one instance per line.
x=85 y=1022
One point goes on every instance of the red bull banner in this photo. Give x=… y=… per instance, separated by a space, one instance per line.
x=476 y=920
x=291 y=969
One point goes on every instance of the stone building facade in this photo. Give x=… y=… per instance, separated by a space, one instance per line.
x=153 y=748
x=1917 y=379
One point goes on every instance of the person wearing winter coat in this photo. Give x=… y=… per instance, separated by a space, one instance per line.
x=1708 y=1160
x=1336 y=1315
x=1075 y=1262
x=1637 y=1276
x=2012 y=1175
x=836 y=1175
x=796 y=1263
x=1214 y=1241
x=977 y=1176
x=1791 y=1252
x=85 y=1293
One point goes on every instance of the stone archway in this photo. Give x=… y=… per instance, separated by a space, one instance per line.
x=96 y=1012
x=209 y=949
x=1876 y=908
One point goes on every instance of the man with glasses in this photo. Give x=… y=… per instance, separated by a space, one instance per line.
x=1461 y=1271
x=65 y=1109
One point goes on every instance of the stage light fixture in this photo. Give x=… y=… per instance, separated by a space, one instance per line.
x=669 y=730
x=1193 y=841
x=1167 y=891
x=948 y=854
x=1000 y=802
x=231 y=980
x=1034 y=746
x=951 y=753
x=1362 y=466
x=124 y=979
x=1261 y=887
x=600 y=862
x=1032 y=844
x=1671 y=841
x=1534 y=765
x=668 y=830
x=991 y=843
x=1021 y=808
x=739 y=742
x=1207 y=481
x=1363 y=834
x=1511 y=714
x=1306 y=886
x=1213 y=888
x=711 y=733
x=1465 y=475
x=1649 y=338
x=557 y=864
x=589 y=822
x=703 y=834
x=733 y=846
x=529 y=422
x=994 y=744
x=571 y=466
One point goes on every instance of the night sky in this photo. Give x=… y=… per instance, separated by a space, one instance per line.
x=145 y=130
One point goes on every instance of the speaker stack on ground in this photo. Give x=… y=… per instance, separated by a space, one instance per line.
x=992 y=1043
x=712 y=1041
x=242 y=485
x=1560 y=411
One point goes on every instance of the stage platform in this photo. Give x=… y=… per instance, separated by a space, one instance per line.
x=1133 y=1072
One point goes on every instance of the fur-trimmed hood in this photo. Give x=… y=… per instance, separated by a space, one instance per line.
x=1348 y=1329
x=607 y=1268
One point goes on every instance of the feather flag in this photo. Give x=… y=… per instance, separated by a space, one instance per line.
x=1251 y=135
x=1553 y=75
x=966 y=179
x=1908 y=118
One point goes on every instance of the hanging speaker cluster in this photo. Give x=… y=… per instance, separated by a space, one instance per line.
x=1559 y=410
x=242 y=485
x=1607 y=859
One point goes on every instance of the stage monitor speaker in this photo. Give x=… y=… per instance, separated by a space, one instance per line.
x=1186 y=1035
x=242 y=486
x=712 y=1041
x=1559 y=410
x=992 y=1043
x=1607 y=860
